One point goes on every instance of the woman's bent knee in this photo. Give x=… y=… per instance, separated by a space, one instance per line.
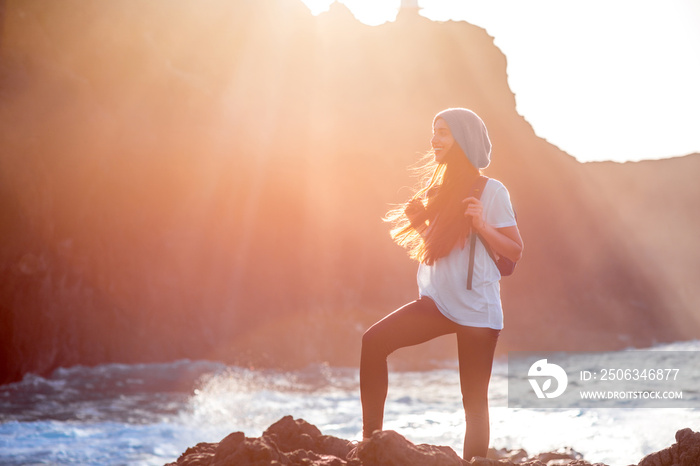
x=371 y=341
x=375 y=342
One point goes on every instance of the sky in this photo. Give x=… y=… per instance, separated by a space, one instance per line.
x=602 y=80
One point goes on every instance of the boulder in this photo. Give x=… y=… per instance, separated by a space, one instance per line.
x=391 y=449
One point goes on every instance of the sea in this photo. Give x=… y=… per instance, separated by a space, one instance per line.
x=148 y=414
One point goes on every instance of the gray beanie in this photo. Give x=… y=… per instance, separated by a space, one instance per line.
x=470 y=133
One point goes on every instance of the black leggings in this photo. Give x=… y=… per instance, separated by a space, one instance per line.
x=415 y=323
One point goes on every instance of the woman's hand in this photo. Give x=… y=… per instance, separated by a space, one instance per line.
x=474 y=211
x=502 y=241
x=415 y=211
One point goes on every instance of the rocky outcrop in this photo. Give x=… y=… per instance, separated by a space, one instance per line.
x=293 y=442
x=685 y=452
x=172 y=161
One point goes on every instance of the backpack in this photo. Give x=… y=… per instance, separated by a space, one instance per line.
x=505 y=265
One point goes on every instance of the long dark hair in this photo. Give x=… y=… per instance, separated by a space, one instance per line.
x=442 y=188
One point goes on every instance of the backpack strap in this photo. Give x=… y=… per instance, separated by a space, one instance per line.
x=475 y=191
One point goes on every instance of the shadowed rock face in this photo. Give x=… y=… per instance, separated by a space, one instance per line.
x=188 y=182
x=296 y=442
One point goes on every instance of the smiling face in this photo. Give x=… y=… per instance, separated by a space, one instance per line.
x=442 y=140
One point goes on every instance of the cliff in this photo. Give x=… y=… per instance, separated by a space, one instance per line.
x=296 y=442
x=208 y=181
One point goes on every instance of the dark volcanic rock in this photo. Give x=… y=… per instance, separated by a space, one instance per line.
x=295 y=442
x=391 y=449
x=685 y=452
x=291 y=435
x=237 y=449
x=198 y=455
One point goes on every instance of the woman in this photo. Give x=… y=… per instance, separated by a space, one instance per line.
x=434 y=226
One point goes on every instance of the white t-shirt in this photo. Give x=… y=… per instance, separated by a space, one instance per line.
x=445 y=282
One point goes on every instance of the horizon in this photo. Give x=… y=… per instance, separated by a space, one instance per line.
x=618 y=66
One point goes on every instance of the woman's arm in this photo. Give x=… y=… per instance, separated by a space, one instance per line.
x=502 y=241
x=505 y=241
